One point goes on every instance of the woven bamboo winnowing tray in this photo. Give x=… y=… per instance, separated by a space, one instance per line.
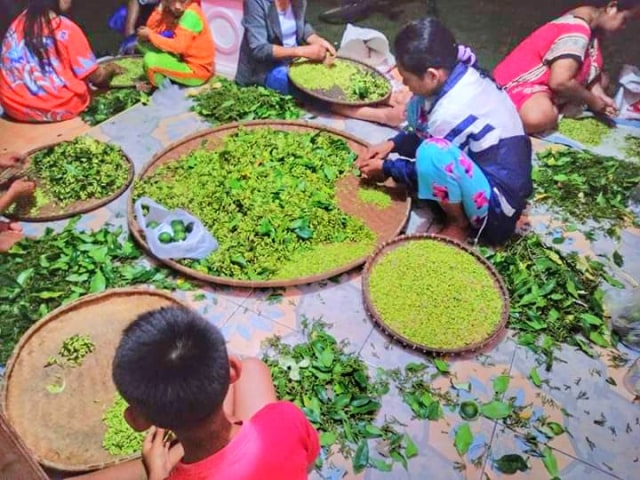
x=52 y=212
x=65 y=431
x=386 y=223
x=406 y=342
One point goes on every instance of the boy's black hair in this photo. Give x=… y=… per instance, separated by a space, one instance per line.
x=424 y=44
x=172 y=366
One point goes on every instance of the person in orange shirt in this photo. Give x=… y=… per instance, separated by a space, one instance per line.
x=46 y=65
x=182 y=47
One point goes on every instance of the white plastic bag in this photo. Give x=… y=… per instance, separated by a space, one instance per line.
x=624 y=308
x=198 y=244
x=628 y=96
x=368 y=46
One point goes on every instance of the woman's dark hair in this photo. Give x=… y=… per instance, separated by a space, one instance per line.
x=620 y=4
x=39 y=30
x=424 y=44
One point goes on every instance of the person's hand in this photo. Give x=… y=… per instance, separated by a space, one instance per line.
x=318 y=40
x=11 y=160
x=115 y=69
x=375 y=152
x=314 y=52
x=156 y=455
x=144 y=33
x=603 y=104
x=611 y=109
x=21 y=188
x=372 y=170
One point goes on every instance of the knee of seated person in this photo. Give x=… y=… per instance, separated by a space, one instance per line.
x=430 y=150
x=538 y=120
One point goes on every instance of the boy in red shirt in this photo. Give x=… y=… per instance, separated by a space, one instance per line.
x=173 y=369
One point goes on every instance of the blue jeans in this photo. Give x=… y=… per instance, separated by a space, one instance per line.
x=278 y=79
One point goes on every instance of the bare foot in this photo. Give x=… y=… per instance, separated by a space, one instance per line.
x=523 y=226
x=455 y=232
x=8 y=238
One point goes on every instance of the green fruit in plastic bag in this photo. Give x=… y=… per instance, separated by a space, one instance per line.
x=179 y=235
x=165 y=237
x=177 y=226
x=152 y=224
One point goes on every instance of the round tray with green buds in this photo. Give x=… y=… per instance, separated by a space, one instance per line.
x=435 y=295
x=343 y=81
x=133 y=71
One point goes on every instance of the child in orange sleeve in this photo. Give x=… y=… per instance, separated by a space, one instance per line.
x=182 y=47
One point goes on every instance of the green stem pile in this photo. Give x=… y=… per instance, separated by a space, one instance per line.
x=334 y=390
x=589 y=131
x=225 y=101
x=584 y=186
x=37 y=276
x=435 y=294
x=120 y=439
x=133 y=72
x=555 y=298
x=266 y=195
x=632 y=147
x=347 y=80
x=323 y=258
x=72 y=351
x=374 y=195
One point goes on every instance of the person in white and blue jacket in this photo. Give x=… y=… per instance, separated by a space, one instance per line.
x=471 y=153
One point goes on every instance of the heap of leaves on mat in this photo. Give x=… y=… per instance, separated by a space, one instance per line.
x=375 y=195
x=266 y=196
x=420 y=290
x=341 y=80
x=105 y=105
x=72 y=351
x=37 y=276
x=338 y=396
x=555 y=298
x=133 y=72
x=429 y=392
x=632 y=147
x=81 y=169
x=225 y=101
x=589 y=131
x=584 y=186
x=120 y=439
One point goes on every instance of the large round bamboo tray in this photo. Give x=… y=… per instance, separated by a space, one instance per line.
x=336 y=95
x=64 y=431
x=124 y=57
x=408 y=343
x=52 y=212
x=386 y=223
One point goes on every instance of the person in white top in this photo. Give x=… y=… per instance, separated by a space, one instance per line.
x=471 y=153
